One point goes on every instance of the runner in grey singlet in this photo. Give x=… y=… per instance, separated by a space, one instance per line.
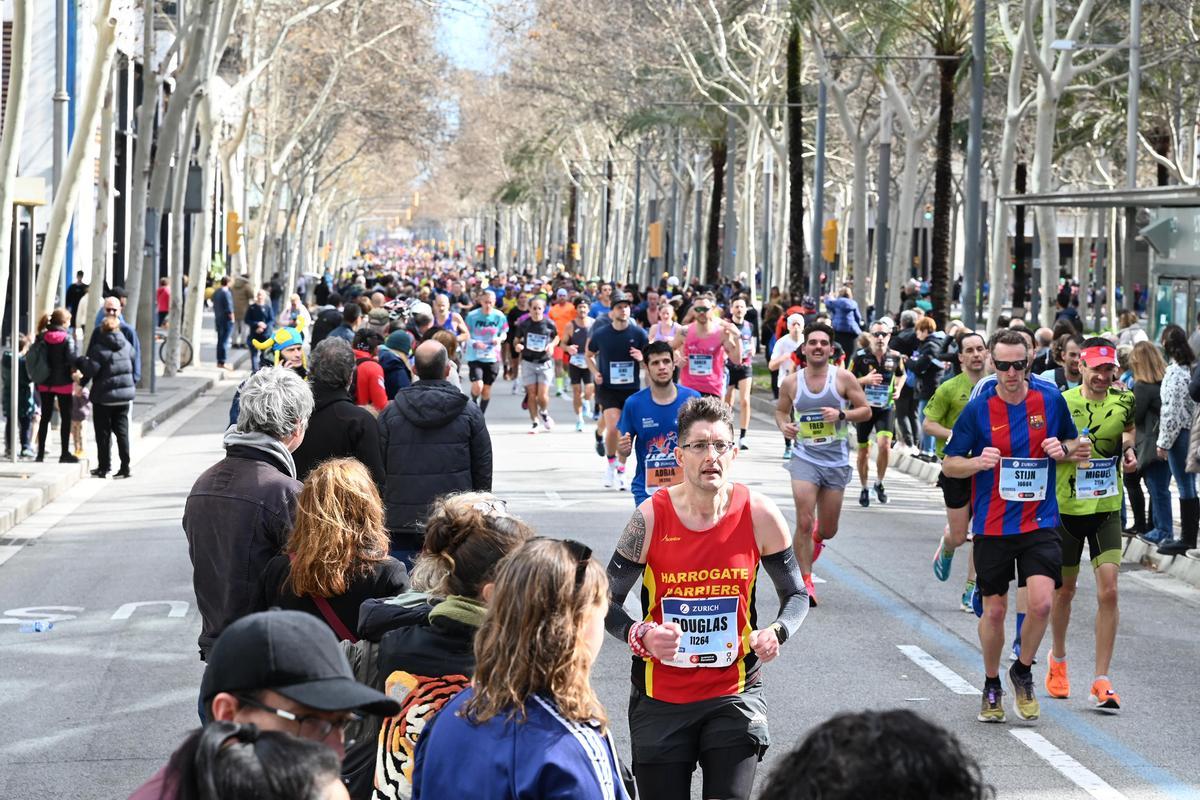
x=818 y=442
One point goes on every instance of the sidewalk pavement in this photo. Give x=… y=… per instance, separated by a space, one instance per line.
x=26 y=486
x=1135 y=551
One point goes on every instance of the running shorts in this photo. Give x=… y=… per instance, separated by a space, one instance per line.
x=579 y=375
x=486 y=371
x=1035 y=553
x=609 y=398
x=535 y=372
x=1102 y=532
x=672 y=733
x=737 y=374
x=955 y=491
x=882 y=421
x=819 y=475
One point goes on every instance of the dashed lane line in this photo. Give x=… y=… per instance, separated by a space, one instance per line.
x=944 y=675
x=1075 y=772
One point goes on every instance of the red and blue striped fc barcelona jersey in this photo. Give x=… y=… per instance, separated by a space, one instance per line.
x=1017 y=431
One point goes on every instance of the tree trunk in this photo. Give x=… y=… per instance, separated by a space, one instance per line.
x=861 y=258
x=943 y=194
x=712 y=267
x=201 y=249
x=1046 y=216
x=795 y=169
x=10 y=140
x=67 y=193
x=140 y=180
x=906 y=201
x=1020 y=255
x=572 y=222
x=101 y=247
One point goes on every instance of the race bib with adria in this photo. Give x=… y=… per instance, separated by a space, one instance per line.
x=1096 y=479
x=709 y=625
x=1023 y=480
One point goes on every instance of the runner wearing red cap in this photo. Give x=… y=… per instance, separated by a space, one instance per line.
x=1089 y=502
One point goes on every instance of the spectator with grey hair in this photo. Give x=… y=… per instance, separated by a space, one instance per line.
x=434 y=442
x=338 y=428
x=239 y=512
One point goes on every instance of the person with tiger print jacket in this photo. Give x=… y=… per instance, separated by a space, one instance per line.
x=423 y=641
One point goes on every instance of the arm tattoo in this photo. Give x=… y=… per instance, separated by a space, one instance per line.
x=633 y=538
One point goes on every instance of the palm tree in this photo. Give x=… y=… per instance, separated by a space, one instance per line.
x=945 y=25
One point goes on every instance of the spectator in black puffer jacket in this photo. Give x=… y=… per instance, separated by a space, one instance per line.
x=424 y=640
x=434 y=442
x=109 y=365
x=337 y=428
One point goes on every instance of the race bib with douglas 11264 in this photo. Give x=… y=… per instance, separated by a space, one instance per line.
x=709 y=625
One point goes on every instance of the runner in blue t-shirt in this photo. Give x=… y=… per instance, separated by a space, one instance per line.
x=1007 y=440
x=487 y=328
x=649 y=426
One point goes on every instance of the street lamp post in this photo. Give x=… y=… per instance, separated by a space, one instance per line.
x=883 y=208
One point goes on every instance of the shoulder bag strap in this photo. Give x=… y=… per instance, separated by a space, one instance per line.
x=327 y=612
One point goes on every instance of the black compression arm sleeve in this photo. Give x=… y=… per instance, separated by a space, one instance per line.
x=784 y=572
x=622 y=575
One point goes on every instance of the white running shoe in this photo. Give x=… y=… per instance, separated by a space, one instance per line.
x=533 y=429
x=622 y=481
x=610 y=475
x=547 y=422
x=515 y=387
x=578 y=425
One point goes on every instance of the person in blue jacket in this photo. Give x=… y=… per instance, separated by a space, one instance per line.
x=845 y=318
x=531 y=725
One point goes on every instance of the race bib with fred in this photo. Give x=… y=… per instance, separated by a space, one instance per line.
x=621 y=372
x=700 y=364
x=1096 y=478
x=1023 y=480
x=536 y=342
x=709 y=625
x=814 y=429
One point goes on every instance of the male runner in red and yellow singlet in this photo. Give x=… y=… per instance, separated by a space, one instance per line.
x=698 y=648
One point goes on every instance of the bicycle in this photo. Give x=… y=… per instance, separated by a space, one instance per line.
x=185 y=348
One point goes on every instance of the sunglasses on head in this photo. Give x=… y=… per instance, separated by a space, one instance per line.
x=578 y=550
x=1005 y=366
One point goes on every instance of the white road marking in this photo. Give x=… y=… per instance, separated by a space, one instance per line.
x=1075 y=772
x=946 y=676
x=178 y=608
x=8 y=551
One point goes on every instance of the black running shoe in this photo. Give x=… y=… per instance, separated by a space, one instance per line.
x=880 y=492
x=864 y=497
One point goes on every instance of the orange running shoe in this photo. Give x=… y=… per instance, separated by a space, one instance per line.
x=1057 y=683
x=1103 y=696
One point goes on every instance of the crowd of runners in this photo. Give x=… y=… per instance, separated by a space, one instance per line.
x=481 y=667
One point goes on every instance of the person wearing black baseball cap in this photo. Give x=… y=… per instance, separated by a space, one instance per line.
x=282 y=671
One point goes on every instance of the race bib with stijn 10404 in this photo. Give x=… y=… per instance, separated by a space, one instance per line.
x=1023 y=480
x=700 y=364
x=877 y=396
x=1096 y=479
x=621 y=372
x=814 y=429
x=536 y=342
x=709 y=625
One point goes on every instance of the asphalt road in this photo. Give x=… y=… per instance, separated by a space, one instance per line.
x=94 y=706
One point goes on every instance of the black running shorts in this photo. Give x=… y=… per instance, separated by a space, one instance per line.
x=882 y=421
x=672 y=733
x=737 y=373
x=579 y=375
x=486 y=371
x=997 y=557
x=608 y=398
x=955 y=491
x=1102 y=532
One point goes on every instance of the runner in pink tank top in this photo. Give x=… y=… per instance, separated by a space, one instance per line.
x=703 y=347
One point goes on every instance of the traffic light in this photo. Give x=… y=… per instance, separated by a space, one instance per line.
x=928 y=212
x=829 y=236
x=575 y=254
x=233 y=232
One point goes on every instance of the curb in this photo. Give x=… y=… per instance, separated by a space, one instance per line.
x=1135 y=550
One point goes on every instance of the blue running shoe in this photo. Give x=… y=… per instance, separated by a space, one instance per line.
x=942 y=561
x=977 y=602
x=965 y=600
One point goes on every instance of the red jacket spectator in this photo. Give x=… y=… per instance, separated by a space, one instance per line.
x=368 y=381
